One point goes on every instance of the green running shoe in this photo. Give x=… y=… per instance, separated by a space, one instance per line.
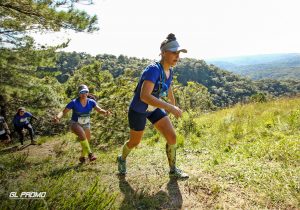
x=176 y=172
x=121 y=165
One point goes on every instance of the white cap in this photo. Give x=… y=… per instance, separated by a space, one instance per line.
x=172 y=46
x=83 y=88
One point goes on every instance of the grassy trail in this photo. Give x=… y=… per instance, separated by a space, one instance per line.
x=245 y=157
x=146 y=186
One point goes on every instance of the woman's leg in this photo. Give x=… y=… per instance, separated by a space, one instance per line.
x=88 y=137
x=165 y=127
x=79 y=131
x=20 y=133
x=137 y=122
x=31 y=132
x=87 y=132
x=134 y=140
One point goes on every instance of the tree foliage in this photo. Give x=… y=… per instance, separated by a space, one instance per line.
x=112 y=93
x=20 y=57
x=193 y=97
x=19 y=17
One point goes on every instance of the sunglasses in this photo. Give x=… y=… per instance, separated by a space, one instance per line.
x=83 y=92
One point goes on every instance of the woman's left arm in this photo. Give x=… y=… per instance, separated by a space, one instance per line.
x=34 y=117
x=102 y=111
x=171 y=96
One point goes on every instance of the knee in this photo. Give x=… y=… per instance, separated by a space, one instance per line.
x=133 y=143
x=30 y=129
x=81 y=137
x=172 y=138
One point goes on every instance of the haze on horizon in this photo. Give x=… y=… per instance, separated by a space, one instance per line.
x=207 y=28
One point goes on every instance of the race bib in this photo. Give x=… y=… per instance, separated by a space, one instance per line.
x=151 y=108
x=83 y=120
x=23 y=119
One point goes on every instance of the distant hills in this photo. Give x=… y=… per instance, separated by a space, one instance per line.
x=225 y=88
x=269 y=66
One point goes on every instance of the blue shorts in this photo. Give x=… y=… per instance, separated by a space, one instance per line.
x=137 y=121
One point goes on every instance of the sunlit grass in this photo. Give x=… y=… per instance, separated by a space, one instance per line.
x=244 y=157
x=255 y=146
x=68 y=185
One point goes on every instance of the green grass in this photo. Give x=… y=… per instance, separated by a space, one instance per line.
x=255 y=147
x=245 y=157
x=68 y=185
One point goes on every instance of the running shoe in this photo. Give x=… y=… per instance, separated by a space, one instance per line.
x=176 y=172
x=121 y=165
x=82 y=159
x=92 y=157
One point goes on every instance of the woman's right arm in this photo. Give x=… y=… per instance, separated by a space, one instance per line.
x=61 y=115
x=148 y=98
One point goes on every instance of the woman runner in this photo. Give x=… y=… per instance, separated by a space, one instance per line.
x=22 y=121
x=80 y=121
x=155 y=83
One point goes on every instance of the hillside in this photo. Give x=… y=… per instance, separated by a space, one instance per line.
x=245 y=157
x=225 y=88
x=238 y=138
x=197 y=86
x=270 y=66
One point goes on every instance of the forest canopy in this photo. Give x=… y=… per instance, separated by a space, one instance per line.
x=20 y=17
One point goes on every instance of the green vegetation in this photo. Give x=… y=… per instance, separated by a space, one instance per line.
x=18 y=18
x=20 y=56
x=51 y=169
x=245 y=157
x=225 y=88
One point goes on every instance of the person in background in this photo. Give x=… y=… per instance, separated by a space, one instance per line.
x=22 y=121
x=155 y=83
x=80 y=122
x=4 y=131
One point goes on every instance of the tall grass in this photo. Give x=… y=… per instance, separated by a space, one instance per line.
x=67 y=184
x=256 y=146
x=245 y=157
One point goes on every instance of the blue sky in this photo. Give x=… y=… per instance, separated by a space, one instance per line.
x=207 y=28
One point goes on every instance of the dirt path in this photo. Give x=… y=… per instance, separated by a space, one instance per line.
x=39 y=151
x=34 y=151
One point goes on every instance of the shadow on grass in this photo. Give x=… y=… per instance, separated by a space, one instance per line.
x=7 y=150
x=175 y=197
x=143 y=199
x=61 y=171
x=11 y=149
